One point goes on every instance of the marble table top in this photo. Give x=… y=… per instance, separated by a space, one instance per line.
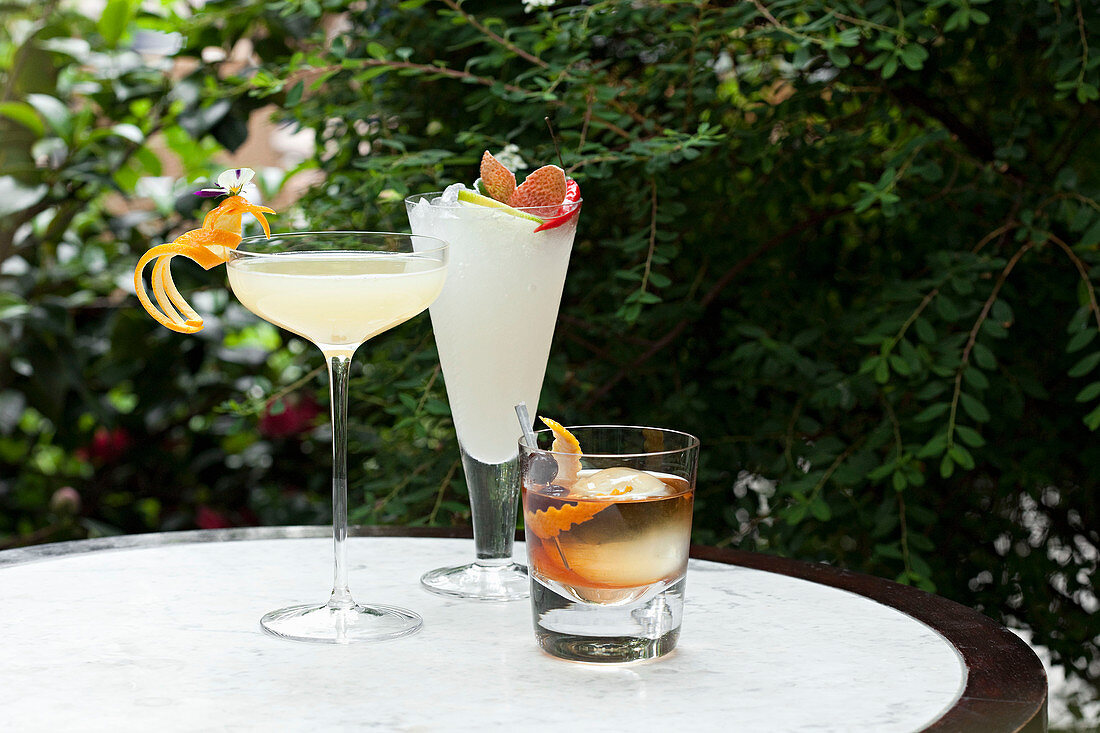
x=138 y=635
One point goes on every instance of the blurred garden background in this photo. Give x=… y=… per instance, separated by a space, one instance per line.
x=854 y=246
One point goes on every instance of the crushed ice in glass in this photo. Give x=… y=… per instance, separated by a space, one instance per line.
x=449 y=197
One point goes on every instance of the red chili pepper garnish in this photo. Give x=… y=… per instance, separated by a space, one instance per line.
x=569 y=207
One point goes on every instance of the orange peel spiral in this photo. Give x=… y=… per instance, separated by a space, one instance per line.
x=567 y=450
x=208 y=245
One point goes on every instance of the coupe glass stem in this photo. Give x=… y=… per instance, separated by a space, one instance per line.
x=339 y=367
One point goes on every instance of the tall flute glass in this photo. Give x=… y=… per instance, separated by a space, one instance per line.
x=338 y=289
x=493 y=325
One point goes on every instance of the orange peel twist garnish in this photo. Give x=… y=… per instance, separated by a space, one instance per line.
x=552 y=521
x=567 y=452
x=208 y=245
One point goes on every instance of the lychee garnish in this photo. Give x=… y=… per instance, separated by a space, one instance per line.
x=544 y=187
x=496 y=180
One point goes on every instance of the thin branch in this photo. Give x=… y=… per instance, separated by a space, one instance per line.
x=469 y=77
x=835 y=465
x=500 y=41
x=652 y=233
x=924 y=303
x=1083 y=272
x=784 y=29
x=1003 y=229
x=442 y=491
x=1084 y=43
x=589 y=96
x=973 y=337
x=431 y=69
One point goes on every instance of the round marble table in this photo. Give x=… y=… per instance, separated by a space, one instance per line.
x=160 y=632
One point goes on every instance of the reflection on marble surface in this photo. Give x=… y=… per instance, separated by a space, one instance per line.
x=166 y=637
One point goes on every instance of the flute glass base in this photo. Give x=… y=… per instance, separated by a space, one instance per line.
x=341 y=625
x=479 y=581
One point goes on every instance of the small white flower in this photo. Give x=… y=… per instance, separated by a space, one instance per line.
x=510 y=157
x=532 y=5
x=230 y=182
x=235 y=179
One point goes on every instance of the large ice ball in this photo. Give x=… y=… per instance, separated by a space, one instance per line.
x=620 y=483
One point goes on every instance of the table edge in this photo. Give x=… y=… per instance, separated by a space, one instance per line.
x=1006 y=686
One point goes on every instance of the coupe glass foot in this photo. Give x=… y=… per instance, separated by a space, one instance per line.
x=334 y=625
x=508 y=582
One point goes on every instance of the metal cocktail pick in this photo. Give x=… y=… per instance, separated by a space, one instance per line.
x=525 y=425
x=532 y=442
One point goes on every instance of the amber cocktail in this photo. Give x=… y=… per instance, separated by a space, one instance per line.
x=608 y=532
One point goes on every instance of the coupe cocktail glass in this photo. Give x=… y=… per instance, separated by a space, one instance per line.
x=608 y=533
x=338 y=289
x=493 y=325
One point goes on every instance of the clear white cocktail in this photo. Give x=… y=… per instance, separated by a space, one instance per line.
x=338 y=289
x=493 y=324
x=337 y=300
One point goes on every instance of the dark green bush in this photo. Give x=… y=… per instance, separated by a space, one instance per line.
x=851 y=245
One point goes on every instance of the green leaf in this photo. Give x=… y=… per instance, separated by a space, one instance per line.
x=15 y=197
x=1080 y=340
x=54 y=111
x=975 y=378
x=891 y=551
x=1002 y=311
x=934 y=447
x=913 y=56
x=959 y=20
x=25 y=115
x=838 y=58
x=112 y=24
x=974 y=408
x=881 y=472
x=129 y=132
x=900 y=365
x=961 y=456
x=882 y=372
x=294 y=96
x=925 y=331
x=1085 y=366
x=947 y=466
x=1089 y=393
x=899 y=481
x=1092 y=420
x=947 y=308
x=820 y=510
x=869 y=364
x=659 y=280
x=970 y=436
x=1091 y=237
x=932 y=412
x=983 y=356
x=795 y=514
x=890 y=67
x=993 y=328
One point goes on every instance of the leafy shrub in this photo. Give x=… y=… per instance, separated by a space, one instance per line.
x=853 y=246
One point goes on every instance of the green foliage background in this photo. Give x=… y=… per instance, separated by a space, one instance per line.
x=852 y=245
